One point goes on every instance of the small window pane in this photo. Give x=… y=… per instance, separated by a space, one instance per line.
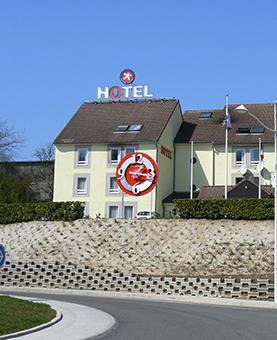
x=258 y=129
x=205 y=115
x=240 y=157
x=81 y=185
x=129 y=151
x=128 y=212
x=113 y=185
x=115 y=156
x=82 y=156
x=135 y=127
x=113 y=212
x=121 y=128
x=255 y=156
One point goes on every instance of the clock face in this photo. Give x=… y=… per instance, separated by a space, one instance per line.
x=137 y=174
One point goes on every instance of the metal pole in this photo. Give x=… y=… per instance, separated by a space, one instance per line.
x=191 y=170
x=226 y=149
x=260 y=187
x=275 y=206
x=122 y=204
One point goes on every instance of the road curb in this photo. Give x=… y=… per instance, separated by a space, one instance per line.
x=170 y=298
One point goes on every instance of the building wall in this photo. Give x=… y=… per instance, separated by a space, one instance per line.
x=209 y=168
x=166 y=158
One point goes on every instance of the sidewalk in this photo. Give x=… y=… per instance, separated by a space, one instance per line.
x=78 y=322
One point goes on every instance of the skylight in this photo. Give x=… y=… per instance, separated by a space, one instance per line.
x=205 y=115
x=257 y=129
x=121 y=128
x=136 y=127
x=243 y=130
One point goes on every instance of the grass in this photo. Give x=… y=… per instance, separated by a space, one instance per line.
x=17 y=315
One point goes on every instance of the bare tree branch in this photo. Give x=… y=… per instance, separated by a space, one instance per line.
x=11 y=141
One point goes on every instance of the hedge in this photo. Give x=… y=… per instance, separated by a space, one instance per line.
x=49 y=211
x=236 y=209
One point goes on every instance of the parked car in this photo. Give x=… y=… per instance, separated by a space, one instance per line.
x=143 y=215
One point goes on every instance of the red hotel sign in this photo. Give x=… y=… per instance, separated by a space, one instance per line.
x=166 y=152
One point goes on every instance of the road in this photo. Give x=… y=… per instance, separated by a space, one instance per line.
x=151 y=319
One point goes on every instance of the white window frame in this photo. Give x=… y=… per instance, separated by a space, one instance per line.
x=253 y=162
x=133 y=209
x=82 y=164
x=239 y=163
x=113 y=190
x=109 y=209
x=115 y=162
x=85 y=162
x=129 y=150
x=79 y=190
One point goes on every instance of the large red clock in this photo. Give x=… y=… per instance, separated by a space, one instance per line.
x=137 y=174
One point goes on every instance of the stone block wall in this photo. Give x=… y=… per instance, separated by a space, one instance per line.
x=71 y=276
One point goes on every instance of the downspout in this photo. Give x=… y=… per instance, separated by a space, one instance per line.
x=213 y=159
x=157 y=161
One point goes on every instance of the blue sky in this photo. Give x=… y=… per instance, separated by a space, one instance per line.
x=55 y=53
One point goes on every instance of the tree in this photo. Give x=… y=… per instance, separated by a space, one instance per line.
x=43 y=176
x=14 y=189
x=11 y=141
x=45 y=153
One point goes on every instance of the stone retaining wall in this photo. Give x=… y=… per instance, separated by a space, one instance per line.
x=71 y=276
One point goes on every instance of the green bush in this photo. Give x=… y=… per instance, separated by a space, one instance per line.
x=49 y=211
x=236 y=209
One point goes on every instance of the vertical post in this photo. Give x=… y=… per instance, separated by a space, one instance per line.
x=191 y=170
x=122 y=204
x=275 y=206
x=151 y=197
x=226 y=149
x=260 y=187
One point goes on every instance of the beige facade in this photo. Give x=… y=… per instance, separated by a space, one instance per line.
x=86 y=170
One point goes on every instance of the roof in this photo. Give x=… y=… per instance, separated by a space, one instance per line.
x=178 y=195
x=246 y=188
x=95 y=122
x=208 y=130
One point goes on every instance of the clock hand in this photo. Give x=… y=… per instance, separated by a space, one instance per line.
x=140 y=174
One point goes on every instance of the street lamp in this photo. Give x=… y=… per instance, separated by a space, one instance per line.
x=243 y=109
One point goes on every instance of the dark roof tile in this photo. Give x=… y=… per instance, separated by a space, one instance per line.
x=95 y=122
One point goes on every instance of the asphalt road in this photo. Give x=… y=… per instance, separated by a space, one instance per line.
x=140 y=319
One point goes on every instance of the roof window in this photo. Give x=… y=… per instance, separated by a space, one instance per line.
x=121 y=128
x=204 y=115
x=243 y=131
x=136 y=127
x=257 y=129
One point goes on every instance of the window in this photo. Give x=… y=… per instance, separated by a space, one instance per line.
x=121 y=128
x=240 y=157
x=135 y=128
x=254 y=156
x=128 y=211
x=243 y=131
x=81 y=185
x=113 y=186
x=257 y=130
x=128 y=151
x=82 y=156
x=205 y=115
x=115 y=155
x=238 y=179
x=113 y=212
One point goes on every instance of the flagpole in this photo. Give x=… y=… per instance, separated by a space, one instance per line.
x=226 y=148
x=260 y=154
x=191 y=170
